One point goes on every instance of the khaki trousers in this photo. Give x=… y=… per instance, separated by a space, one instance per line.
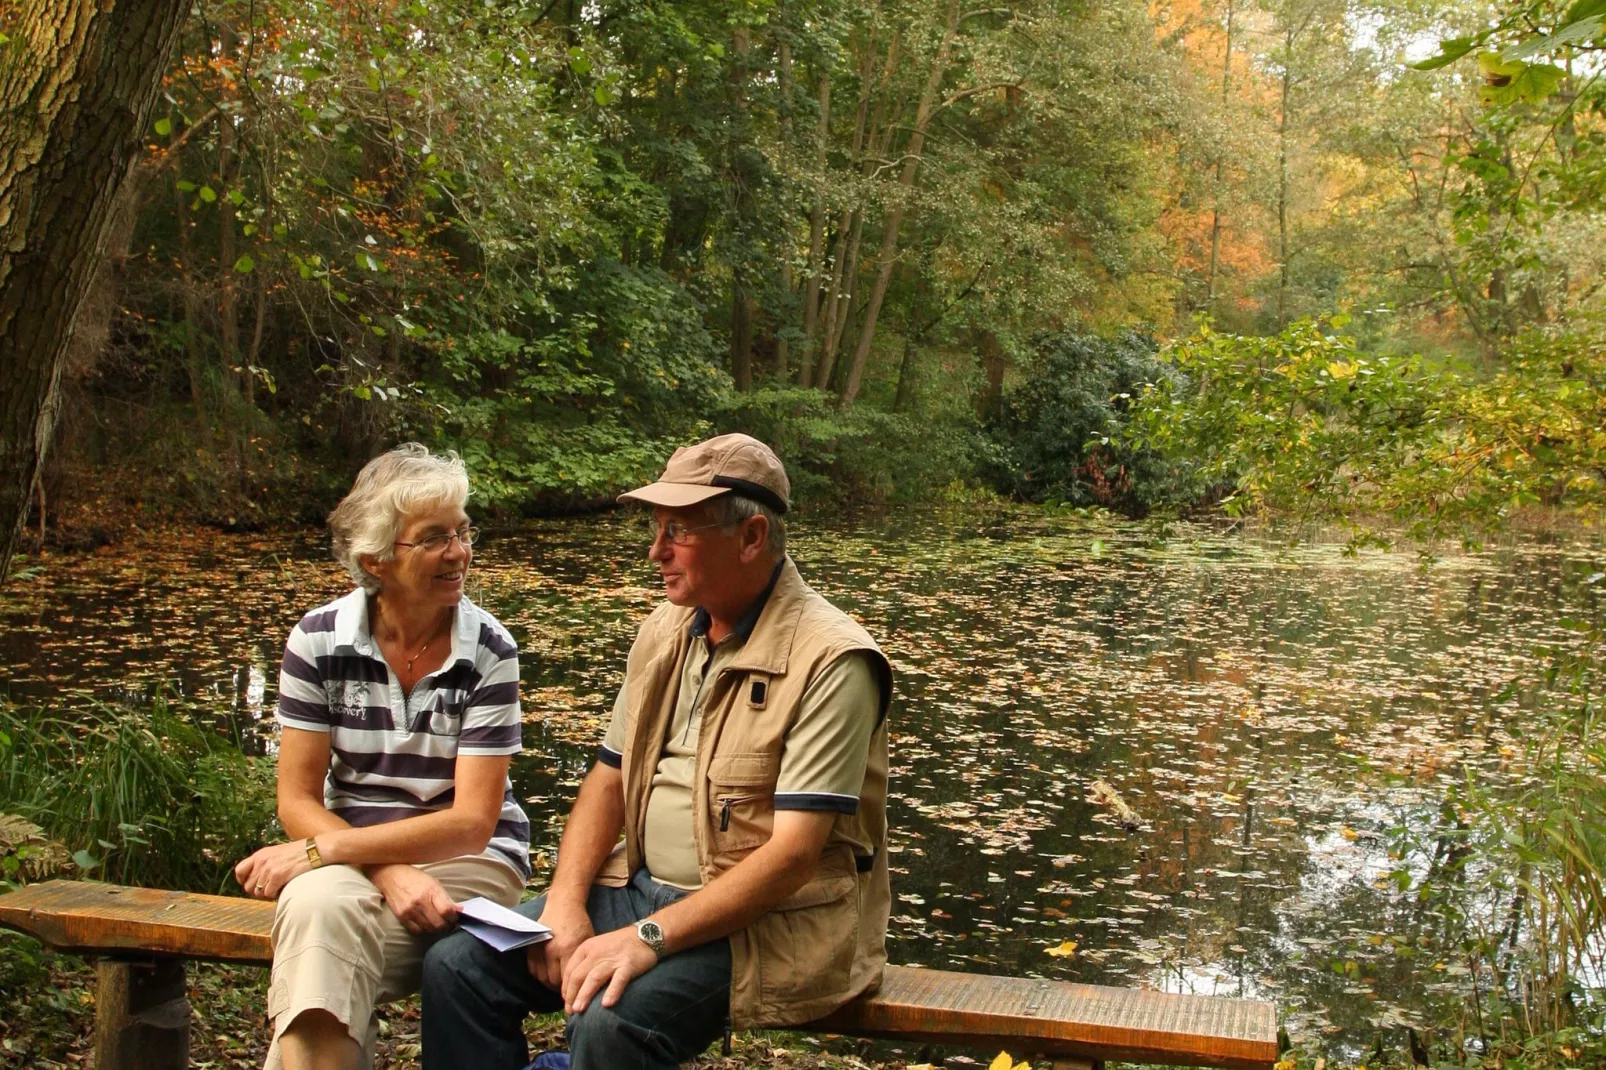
x=338 y=948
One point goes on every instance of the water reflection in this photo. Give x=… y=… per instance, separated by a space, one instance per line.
x=1269 y=714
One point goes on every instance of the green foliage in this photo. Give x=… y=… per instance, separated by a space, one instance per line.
x=1299 y=422
x=572 y=412
x=140 y=797
x=1306 y=424
x=1062 y=435
x=856 y=454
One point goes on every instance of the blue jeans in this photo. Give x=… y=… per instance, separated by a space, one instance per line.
x=475 y=999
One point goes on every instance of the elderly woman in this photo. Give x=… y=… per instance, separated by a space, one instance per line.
x=399 y=709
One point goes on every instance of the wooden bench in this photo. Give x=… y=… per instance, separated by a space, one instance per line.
x=142 y=937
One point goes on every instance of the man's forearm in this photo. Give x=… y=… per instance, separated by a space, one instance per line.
x=594 y=825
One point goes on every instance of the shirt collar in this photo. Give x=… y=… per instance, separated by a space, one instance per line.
x=743 y=628
x=351 y=623
x=352 y=631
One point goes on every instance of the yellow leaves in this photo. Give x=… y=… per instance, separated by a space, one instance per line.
x=1341 y=369
x=1004 y=1062
x=1284 y=1064
x=1063 y=951
x=1348 y=833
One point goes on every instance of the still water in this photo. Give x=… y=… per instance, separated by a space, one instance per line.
x=1270 y=713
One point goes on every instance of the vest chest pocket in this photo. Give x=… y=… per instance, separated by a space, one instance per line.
x=741 y=795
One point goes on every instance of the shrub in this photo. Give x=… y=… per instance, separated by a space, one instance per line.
x=1060 y=435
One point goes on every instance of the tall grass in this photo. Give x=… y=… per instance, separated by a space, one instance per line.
x=1525 y=893
x=140 y=796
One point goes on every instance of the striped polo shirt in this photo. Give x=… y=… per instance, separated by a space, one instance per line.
x=394 y=755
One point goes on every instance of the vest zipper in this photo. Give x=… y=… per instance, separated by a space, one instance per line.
x=725 y=804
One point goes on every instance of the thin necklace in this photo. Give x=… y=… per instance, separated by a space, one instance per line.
x=436 y=634
x=421 y=650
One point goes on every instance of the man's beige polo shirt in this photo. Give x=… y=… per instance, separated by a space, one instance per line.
x=822 y=765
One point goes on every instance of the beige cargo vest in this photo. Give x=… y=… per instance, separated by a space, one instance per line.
x=825 y=944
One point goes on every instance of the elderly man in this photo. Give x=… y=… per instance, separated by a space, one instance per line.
x=745 y=765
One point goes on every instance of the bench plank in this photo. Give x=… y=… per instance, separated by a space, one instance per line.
x=1061 y=1018
x=88 y=918
x=1024 y=1015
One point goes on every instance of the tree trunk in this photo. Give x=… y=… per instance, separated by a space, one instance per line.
x=78 y=83
x=813 y=283
x=1215 y=211
x=227 y=166
x=741 y=334
x=889 y=232
x=782 y=359
x=991 y=400
x=906 y=373
x=192 y=305
x=1282 y=178
x=816 y=369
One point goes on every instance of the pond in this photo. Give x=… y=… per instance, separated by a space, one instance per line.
x=1270 y=713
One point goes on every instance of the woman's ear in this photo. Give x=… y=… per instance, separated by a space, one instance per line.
x=372 y=565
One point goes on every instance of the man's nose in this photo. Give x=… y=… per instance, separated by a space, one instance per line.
x=661 y=548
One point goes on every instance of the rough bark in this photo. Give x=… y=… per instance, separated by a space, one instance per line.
x=78 y=83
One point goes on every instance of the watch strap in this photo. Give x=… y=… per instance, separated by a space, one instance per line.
x=313 y=856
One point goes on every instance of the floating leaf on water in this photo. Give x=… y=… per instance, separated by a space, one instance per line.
x=1062 y=951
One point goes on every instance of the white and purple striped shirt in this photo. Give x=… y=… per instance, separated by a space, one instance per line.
x=394 y=755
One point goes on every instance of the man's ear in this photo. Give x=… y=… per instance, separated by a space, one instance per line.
x=755 y=536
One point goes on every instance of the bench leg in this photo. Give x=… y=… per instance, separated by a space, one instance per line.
x=142 y=1015
x=1078 y=1064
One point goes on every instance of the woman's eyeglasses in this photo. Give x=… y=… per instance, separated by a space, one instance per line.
x=436 y=544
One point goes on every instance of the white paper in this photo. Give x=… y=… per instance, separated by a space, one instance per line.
x=498 y=926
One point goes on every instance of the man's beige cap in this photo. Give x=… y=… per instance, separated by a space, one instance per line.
x=728 y=464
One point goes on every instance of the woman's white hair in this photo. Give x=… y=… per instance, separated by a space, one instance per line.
x=392 y=485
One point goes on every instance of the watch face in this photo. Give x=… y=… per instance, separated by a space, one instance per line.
x=650 y=931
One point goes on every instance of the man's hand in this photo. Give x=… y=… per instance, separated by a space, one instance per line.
x=416 y=898
x=605 y=964
x=266 y=872
x=571 y=927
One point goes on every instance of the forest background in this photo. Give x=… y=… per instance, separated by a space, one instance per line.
x=920 y=247
x=1330 y=260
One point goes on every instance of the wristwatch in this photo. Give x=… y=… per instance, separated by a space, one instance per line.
x=313 y=857
x=652 y=935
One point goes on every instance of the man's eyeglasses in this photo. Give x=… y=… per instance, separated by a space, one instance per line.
x=676 y=532
x=436 y=544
